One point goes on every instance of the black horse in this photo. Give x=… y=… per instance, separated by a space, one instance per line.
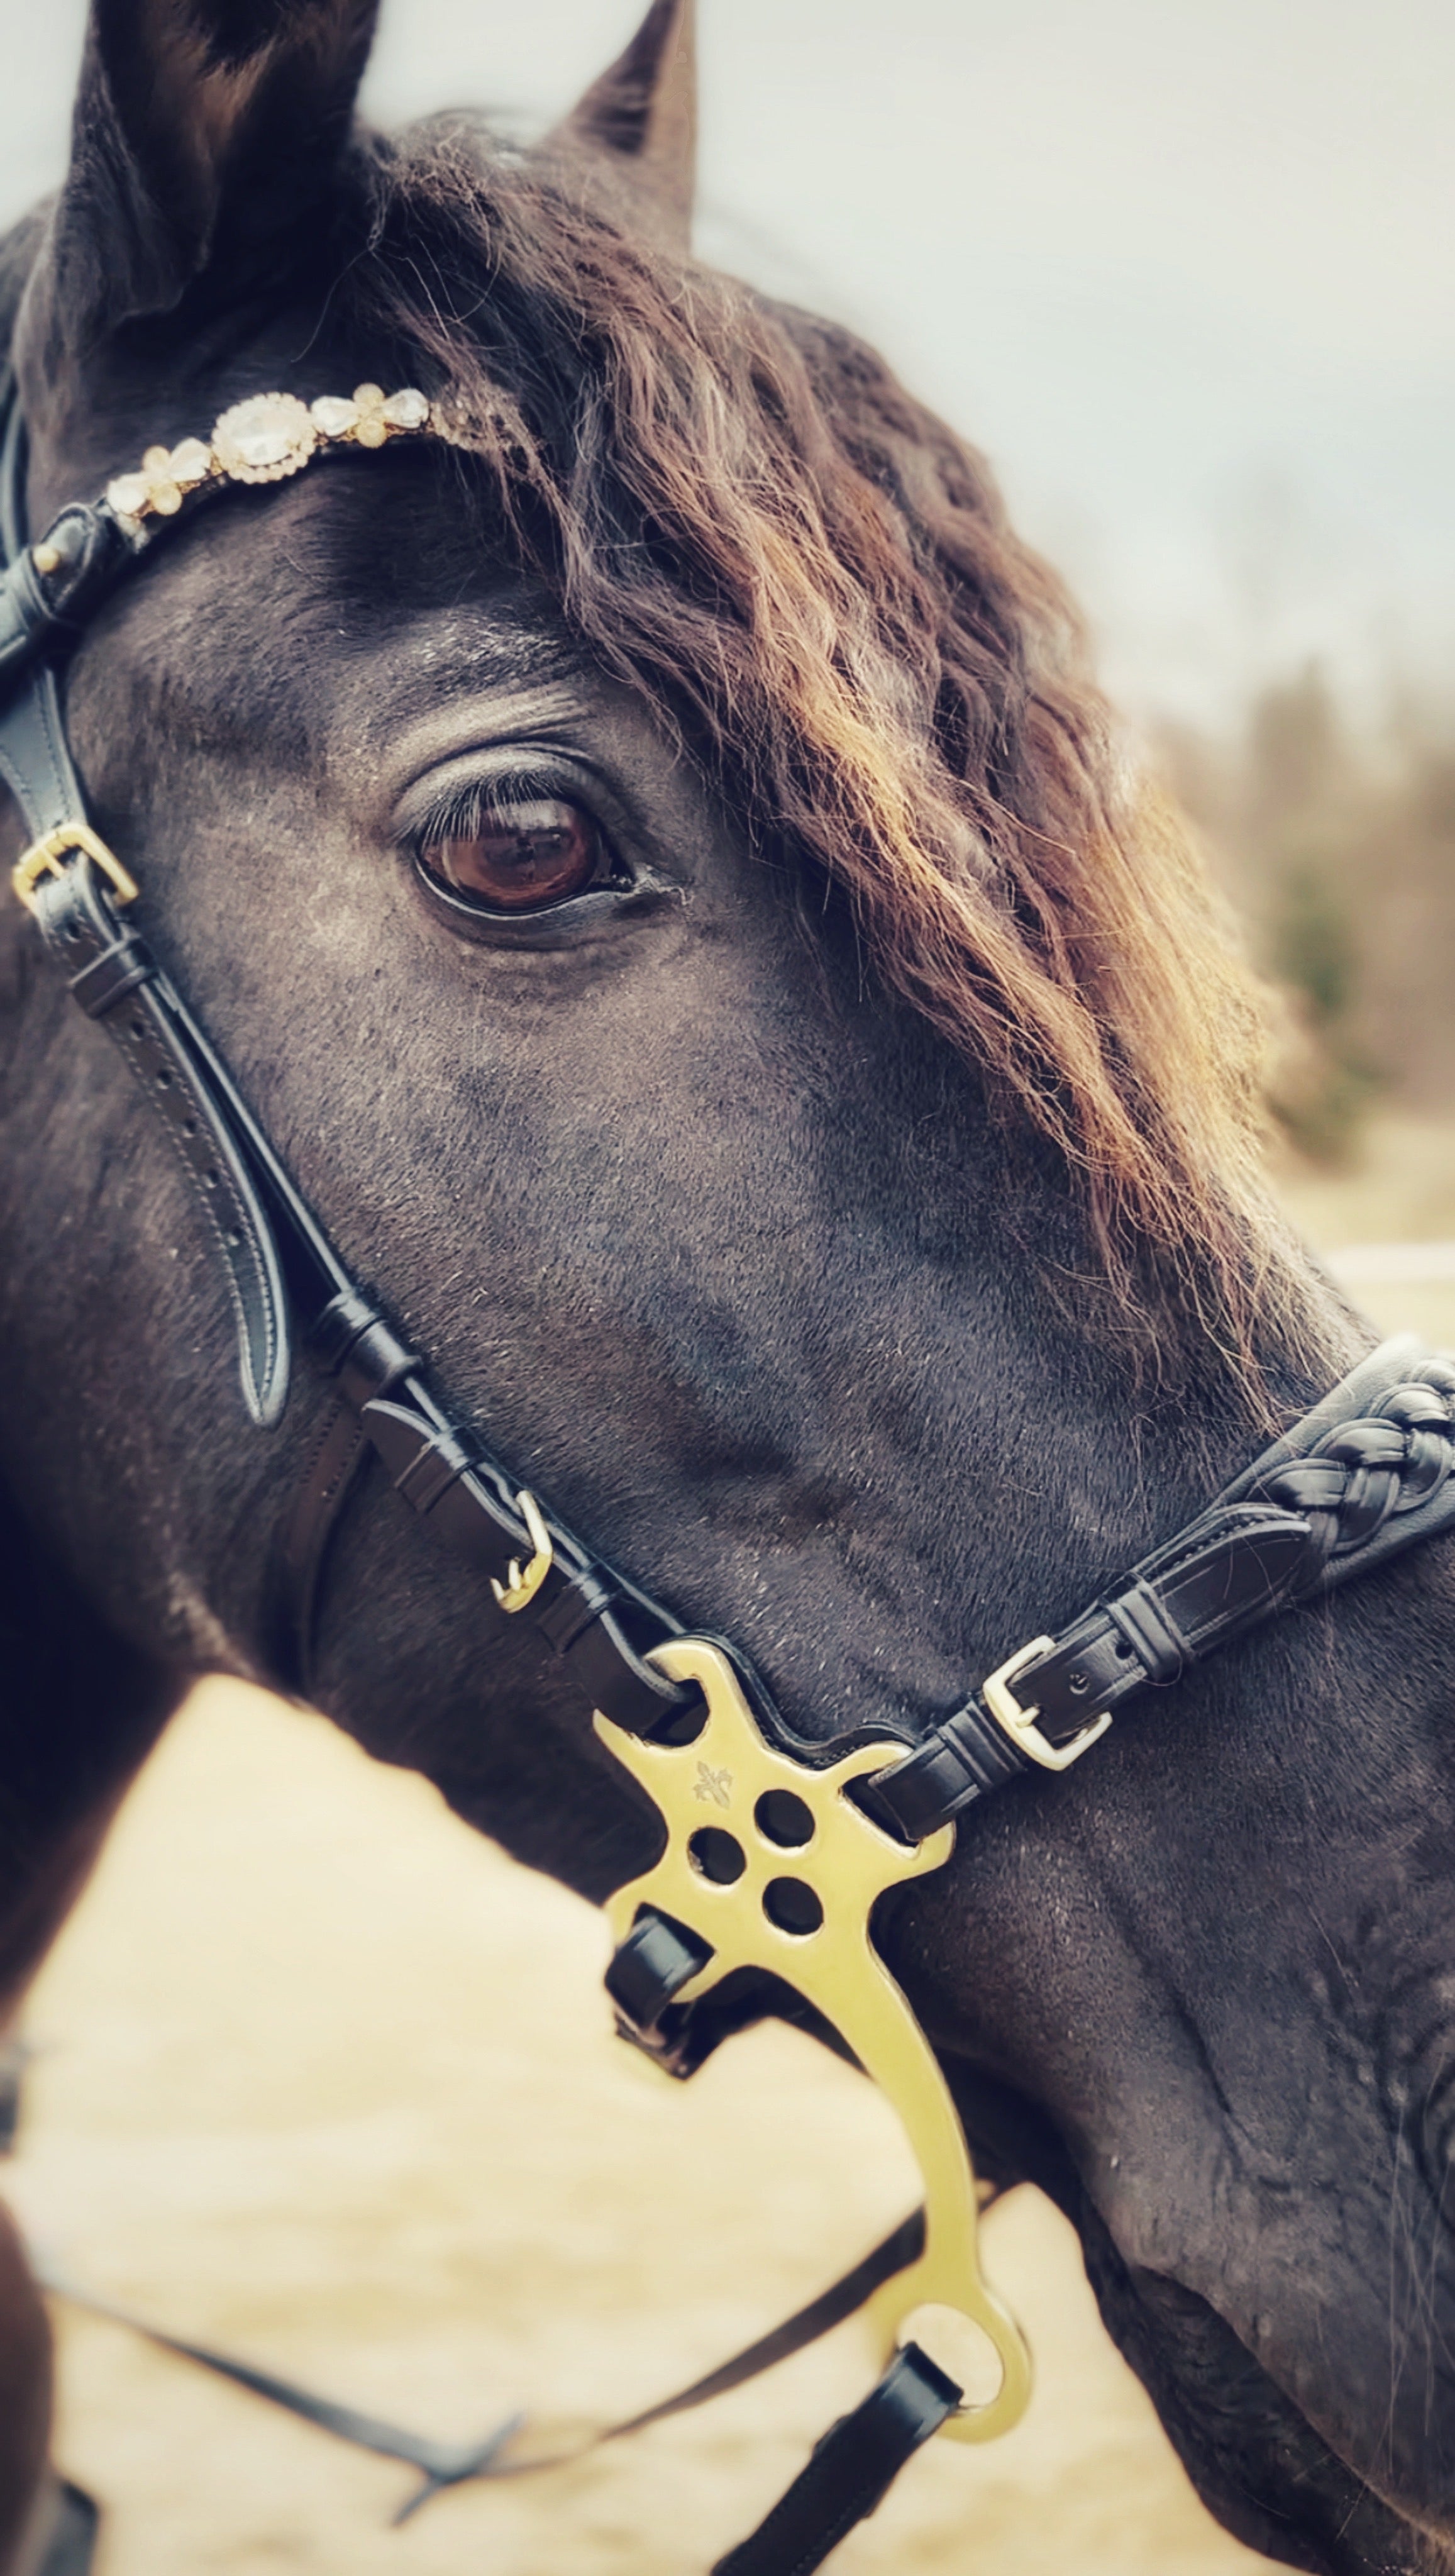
x=660 y=871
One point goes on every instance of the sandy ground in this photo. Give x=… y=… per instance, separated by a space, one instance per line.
x=323 y=2076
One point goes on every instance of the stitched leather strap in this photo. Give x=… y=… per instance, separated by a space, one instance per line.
x=274 y=1253
x=115 y=979
x=336 y=1461
x=583 y=1612
x=1366 y=1474
x=85 y=549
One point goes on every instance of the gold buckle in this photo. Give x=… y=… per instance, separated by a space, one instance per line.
x=523 y=1587
x=43 y=859
x=1020 y=1723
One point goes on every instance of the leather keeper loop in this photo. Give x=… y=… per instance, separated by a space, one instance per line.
x=334 y=1331
x=574 y=1607
x=377 y=1362
x=115 y=973
x=351 y=1341
x=439 y=1463
x=1149 y=1630
x=657 y=1957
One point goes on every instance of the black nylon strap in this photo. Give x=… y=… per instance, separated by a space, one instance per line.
x=850 y=2472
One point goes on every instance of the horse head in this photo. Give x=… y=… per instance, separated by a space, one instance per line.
x=660 y=870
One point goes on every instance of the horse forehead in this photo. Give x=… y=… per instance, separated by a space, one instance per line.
x=296 y=602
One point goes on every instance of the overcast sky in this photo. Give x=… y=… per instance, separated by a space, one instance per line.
x=1186 y=268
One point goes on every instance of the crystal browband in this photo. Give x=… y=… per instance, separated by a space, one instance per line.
x=264 y=440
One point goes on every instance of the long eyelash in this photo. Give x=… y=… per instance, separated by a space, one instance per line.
x=468 y=808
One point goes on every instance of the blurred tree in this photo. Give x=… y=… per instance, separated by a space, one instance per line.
x=1339 y=848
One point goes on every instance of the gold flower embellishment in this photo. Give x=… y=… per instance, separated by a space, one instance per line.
x=165 y=477
x=263 y=440
x=371 y=416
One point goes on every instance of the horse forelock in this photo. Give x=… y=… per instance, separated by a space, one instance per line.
x=746 y=517
x=744 y=514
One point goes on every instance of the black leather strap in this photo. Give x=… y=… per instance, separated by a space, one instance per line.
x=274 y=1253
x=586 y=1614
x=657 y=1958
x=850 y=2472
x=1366 y=1474
x=115 y=979
x=336 y=1461
x=85 y=550
x=35 y=762
x=447 y=2464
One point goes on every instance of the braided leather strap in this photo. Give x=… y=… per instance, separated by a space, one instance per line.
x=1373 y=1481
x=1366 y=1474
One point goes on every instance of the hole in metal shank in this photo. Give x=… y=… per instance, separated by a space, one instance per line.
x=962 y=2349
x=717 y=1855
x=791 y=1904
x=784 y=1818
x=684 y=1724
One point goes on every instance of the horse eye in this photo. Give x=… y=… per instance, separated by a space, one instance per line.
x=520 y=858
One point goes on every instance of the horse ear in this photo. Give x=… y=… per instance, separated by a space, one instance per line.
x=204 y=132
x=642 y=115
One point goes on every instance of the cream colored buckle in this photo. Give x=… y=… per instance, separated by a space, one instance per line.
x=1020 y=1723
x=523 y=1587
x=43 y=859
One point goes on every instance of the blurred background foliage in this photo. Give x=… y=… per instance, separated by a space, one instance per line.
x=1335 y=837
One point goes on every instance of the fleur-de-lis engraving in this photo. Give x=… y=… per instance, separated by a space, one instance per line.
x=712 y=1786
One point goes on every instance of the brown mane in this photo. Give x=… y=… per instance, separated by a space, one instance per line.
x=745 y=515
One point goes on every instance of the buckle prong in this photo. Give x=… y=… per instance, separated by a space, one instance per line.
x=43 y=859
x=1020 y=1723
x=523 y=1588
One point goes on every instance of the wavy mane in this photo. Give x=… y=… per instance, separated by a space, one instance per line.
x=744 y=515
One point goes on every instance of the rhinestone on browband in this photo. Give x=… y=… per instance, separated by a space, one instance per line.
x=264 y=440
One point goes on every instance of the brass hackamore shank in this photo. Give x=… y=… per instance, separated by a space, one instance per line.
x=718 y=1780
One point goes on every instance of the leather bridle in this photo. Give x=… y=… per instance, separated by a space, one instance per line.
x=1365 y=1474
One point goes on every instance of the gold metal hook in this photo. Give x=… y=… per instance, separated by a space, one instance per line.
x=44 y=857
x=720 y=1783
x=522 y=1588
